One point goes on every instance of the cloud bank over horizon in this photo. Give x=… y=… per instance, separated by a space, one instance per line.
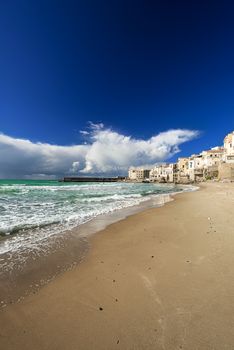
x=103 y=152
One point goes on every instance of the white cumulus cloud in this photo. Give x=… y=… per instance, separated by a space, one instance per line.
x=106 y=152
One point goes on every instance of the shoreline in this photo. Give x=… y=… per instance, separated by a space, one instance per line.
x=160 y=279
x=64 y=251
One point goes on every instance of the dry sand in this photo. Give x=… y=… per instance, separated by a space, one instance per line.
x=160 y=279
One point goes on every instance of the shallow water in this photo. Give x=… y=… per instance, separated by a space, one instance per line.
x=32 y=210
x=45 y=224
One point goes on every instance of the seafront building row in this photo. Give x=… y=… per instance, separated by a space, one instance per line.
x=216 y=163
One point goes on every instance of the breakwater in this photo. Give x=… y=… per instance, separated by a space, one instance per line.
x=92 y=179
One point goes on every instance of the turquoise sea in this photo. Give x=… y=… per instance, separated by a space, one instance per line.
x=31 y=210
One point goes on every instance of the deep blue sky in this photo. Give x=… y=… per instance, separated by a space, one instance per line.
x=140 y=67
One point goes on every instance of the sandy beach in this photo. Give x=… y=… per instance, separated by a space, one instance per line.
x=160 y=279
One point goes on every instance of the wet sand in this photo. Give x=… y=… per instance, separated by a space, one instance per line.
x=25 y=271
x=160 y=279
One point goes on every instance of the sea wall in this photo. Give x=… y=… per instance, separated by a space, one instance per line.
x=226 y=171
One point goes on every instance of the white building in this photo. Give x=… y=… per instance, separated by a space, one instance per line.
x=228 y=156
x=212 y=157
x=162 y=173
x=213 y=163
x=138 y=174
x=195 y=167
x=226 y=168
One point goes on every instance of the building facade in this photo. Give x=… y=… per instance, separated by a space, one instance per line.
x=212 y=159
x=218 y=162
x=138 y=174
x=162 y=173
x=196 y=168
x=182 y=174
x=228 y=156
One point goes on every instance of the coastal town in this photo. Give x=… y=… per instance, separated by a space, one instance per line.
x=215 y=163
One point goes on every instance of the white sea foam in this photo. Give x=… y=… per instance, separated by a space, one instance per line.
x=30 y=213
